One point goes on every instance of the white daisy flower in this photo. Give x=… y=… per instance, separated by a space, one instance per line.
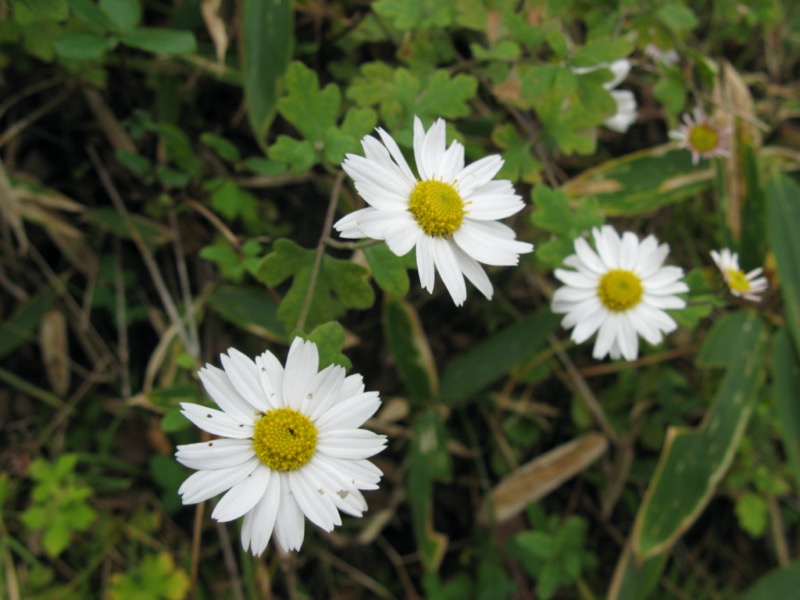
x=449 y=214
x=625 y=116
x=744 y=285
x=701 y=136
x=619 y=291
x=290 y=445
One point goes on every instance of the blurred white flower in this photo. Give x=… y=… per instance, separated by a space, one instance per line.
x=744 y=285
x=290 y=445
x=701 y=136
x=625 y=116
x=668 y=58
x=449 y=214
x=620 y=290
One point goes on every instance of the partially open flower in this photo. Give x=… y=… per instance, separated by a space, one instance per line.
x=743 y=285
x=625 y=116
x=701 y=136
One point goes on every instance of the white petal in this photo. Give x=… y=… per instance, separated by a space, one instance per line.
x=351 y=413
x=620 y=69
x=606 y=337
x=350 y=443
x=348 y=227
x=375 y=224
x=403 y=234
x=270 y=373
x=242 y=497
x=425 y=262
x=216 y=421
x=203 y=485
x=397 y=155
x=627 y=339
x=478 y=174
x=452 y=163
x=626 y=111
x=262 y=517
x=289 y=523
x=588 y=325
x=362 y=170
x=220 y=388
x=216 y=454
x=576 y=280
x=481 y=243
x=474 y=272
x=317 y=507
x=646 y=328
x=352 y=386
x=569 y=295
x=361 y=474
x=588 y=257
x=629 y=249
x=324 y=391
x=432 y=150
x=484 y=204
x=607 y=242
x=419 y=142
x=301 y=367
x=451 y=275
x=243 y=374
x=662 y=278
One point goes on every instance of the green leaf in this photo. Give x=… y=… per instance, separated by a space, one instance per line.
x=267 y=45
x=125 y=14
x=232 y=201
x=643 y=181
x=783 y=216
x=722 y=344
x=357 y=123
x=329 y=338
x=249 y=308
x=538 y=543
x=782 y=582
x=416 y=14
x=340 y=284
x=412 y=355
x=300 y=155
x=678 y=17
x=388 y=269
x=519 y=161
x=602 y=51
x=44 y=10
x=635 y=580
x=310 y=109
x=494 y=357
x=752 y=512
x=82 y=46
x=160 y=41
x=91 y=14
x=554 y=213
x=786 y=382
x=671 y=90
x=754 y=211
x=225 y=149
x=695 y=459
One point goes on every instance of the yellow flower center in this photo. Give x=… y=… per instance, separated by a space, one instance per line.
x=620 y=290
x=737 y=281
x=437 y=207
x=703 y=138
x=284 y=439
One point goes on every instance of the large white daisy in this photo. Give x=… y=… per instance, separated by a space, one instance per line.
x=744 y=285
x=449 y=214
x=619 y=291
x=290 y=445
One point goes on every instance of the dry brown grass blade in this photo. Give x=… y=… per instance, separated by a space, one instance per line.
x=54 y=346
x=10 y=210
x=216 y=27
x=115 y=133
x=542 y=475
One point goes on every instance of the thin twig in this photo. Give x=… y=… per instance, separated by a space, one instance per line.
x=147 y=257
x=216 y=222
x=323 y=238
x=583 y=390
x=122 y=327
x=230 y=562
x=186 y=290
x=35 y=88
x=196 y=533
x=351 y=245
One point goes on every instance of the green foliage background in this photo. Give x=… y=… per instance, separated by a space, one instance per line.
x=168 y=178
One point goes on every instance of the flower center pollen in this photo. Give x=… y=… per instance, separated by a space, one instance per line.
x=437 y=207
x=284 y=439
x=703 y=138
x=620 y=290
x=737 y=281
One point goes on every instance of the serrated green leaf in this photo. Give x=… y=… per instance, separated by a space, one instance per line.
x=695 y=459
x=408 y=344
x=496 y=356
x=329 y=338
x=783 y=197
x=416 y=14
x=357 y=123
x=553 y=212
x=250 y=308
x=604 y=50
x=519 y=161
x=538 y=543
x=671 y=90
x=388 y=269
x=266 y=30
x=300 y=155
x=125 y=14
x=340 y=284
x=160 y=41
x=310 y=109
